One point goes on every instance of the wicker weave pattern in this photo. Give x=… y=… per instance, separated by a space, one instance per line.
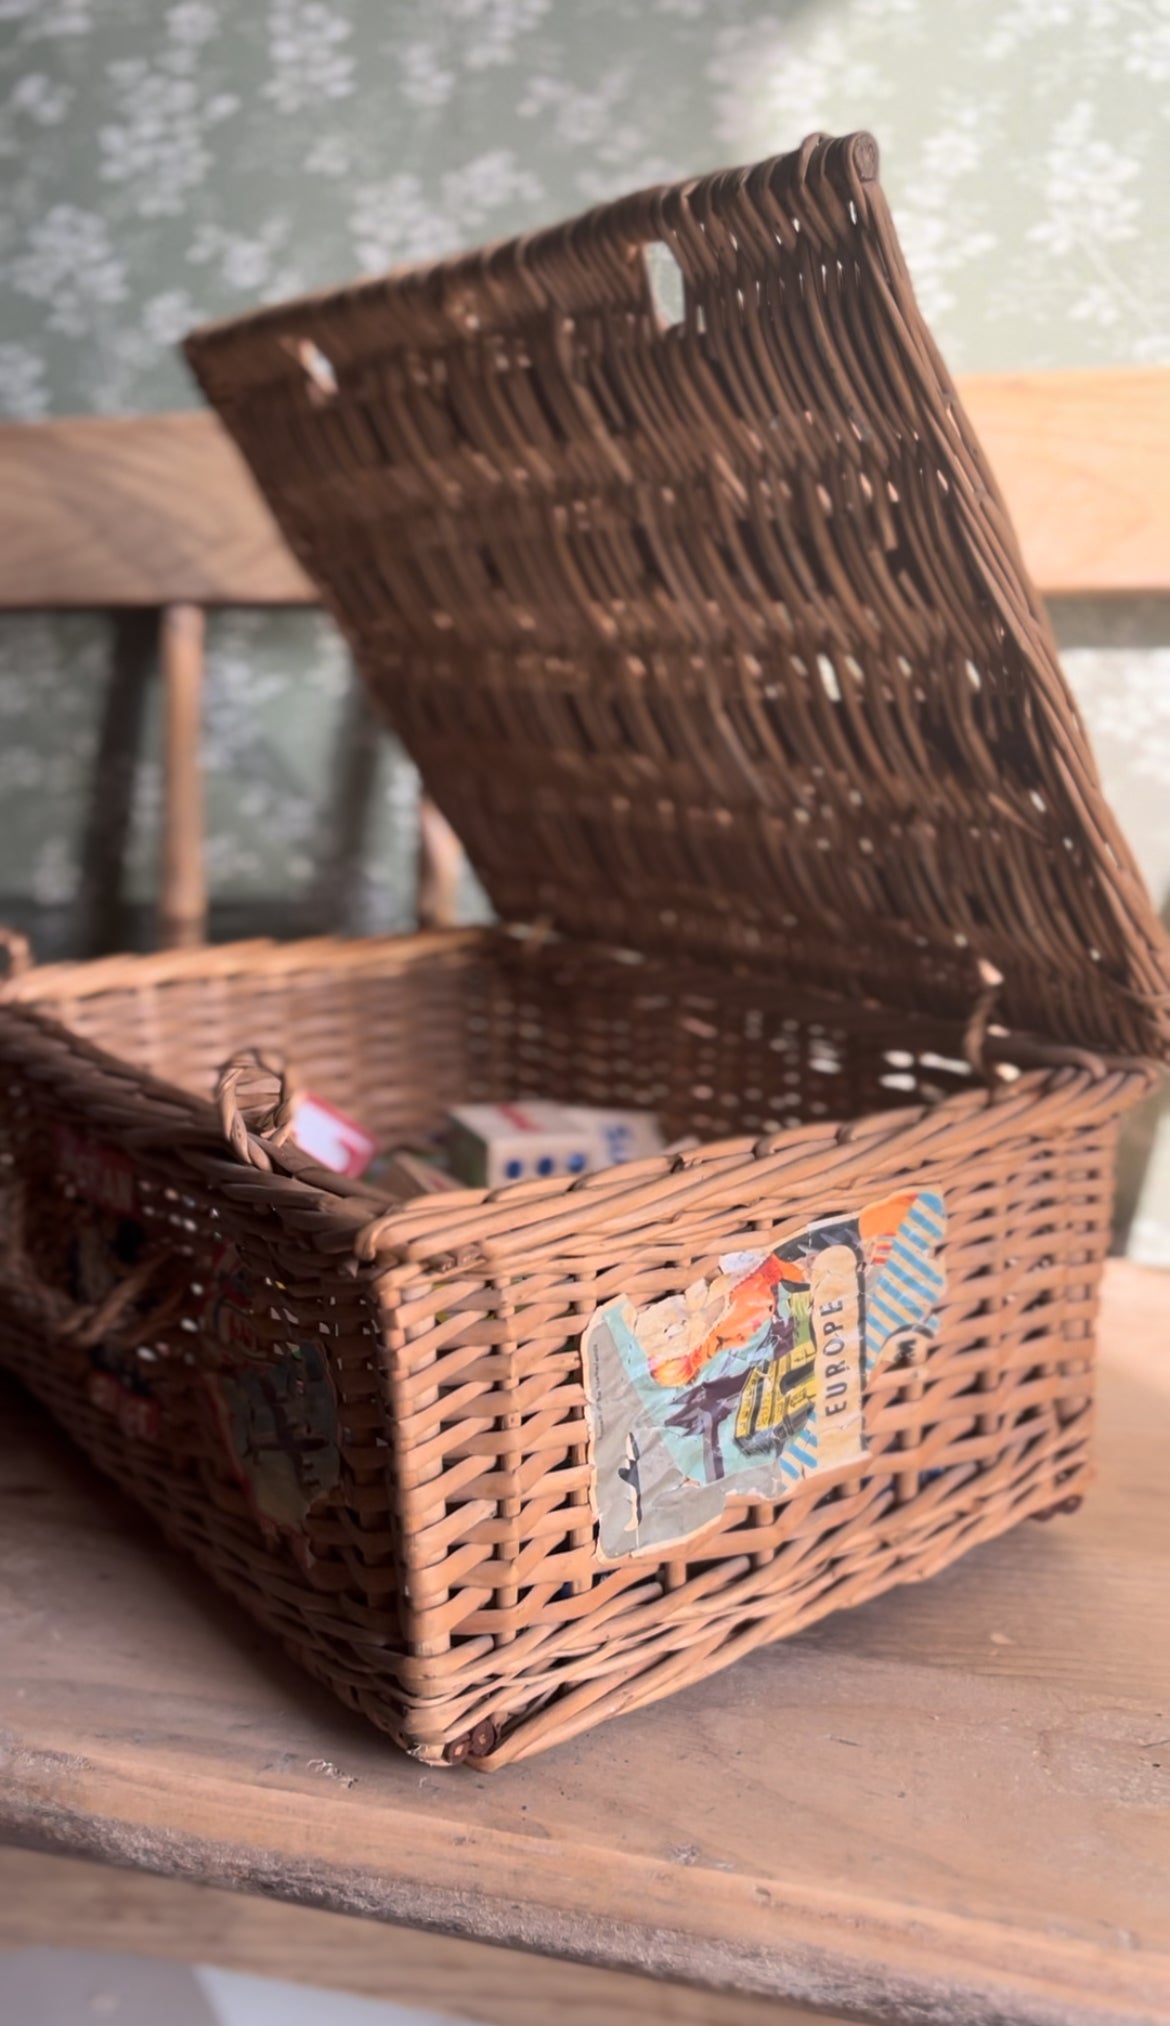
x=448 y=1585
x=714 y=643
x=713 y=637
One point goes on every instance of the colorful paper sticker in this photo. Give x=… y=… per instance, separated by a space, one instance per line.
x=754 y=1379
x=116 y=1388
x=102 y=1249
x=275 y=1407
x=103 y=1246
x=279 y=1425
x=229 y=1305
x=104 y=1175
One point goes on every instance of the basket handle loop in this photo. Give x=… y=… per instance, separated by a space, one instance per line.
x=58 y=1315
x=975 y=1033
x=253 y=1116
x=17 y=950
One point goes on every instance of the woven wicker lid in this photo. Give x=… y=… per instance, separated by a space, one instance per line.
x=709 y=634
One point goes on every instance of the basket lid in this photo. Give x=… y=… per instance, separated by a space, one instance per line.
x=708 y=634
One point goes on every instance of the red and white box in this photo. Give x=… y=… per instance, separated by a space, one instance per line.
x=331 y=1137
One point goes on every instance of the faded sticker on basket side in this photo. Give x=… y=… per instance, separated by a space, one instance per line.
x=102 y=1174
x=754 y=1379
x=105 y=1244
x=229 y=1312
x=279 y=1424
x=116 y=1387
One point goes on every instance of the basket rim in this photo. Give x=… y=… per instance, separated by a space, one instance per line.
x=159 y=1122
x=85 y=977
x=509 y=1225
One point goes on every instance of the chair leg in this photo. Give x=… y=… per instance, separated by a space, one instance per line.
x=440 y=864
x=183 y=900
x=99 y=914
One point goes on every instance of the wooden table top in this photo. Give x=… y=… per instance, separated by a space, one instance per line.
x=955 y=1800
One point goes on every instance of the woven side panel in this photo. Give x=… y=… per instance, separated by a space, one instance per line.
x=710 y=637
x=372 y=1433
x=237 y=1397
x=378 y=1028
x=238 y=1394
x=516 y=1628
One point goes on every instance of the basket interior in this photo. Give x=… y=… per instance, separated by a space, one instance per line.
x=396 y=1034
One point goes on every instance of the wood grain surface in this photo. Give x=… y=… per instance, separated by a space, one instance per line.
x=64 y=1901
x=951 y=1803
x=135 y=510
x=152 y=509
x=1083 y=459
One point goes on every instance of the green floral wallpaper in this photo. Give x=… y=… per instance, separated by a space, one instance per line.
x=167 y=163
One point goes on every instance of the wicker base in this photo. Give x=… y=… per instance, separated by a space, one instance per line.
x=446 y=1581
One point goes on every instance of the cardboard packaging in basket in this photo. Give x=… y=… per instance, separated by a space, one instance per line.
x=713 y=641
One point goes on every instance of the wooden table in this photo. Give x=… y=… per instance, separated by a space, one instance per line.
x=952 y=1804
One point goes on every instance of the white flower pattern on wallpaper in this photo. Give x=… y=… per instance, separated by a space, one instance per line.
x=168 y=316
x=200 y=124
x=774 y=82
x=68 y=263
x=584 y=119
x=311 y=59
x=24 y=396
x=939 y=223
x=1148 y=52
x=489 y=30
x=424 y=79
x=1126 y=700
x=34 y=101
x=256 y=263
x=1018 y=24
x=190 y=24
x=170 y=162
x=49 y=20
x=393 y=222
x=161 y=146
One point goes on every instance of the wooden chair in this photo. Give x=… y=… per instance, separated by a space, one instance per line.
x=156 y=519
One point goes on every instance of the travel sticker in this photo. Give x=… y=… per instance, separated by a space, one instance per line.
x=116 y=1387
x=754 y=1379
x=229 y=1305
x=278 y=1422
x=104 y=1247
x=101 y=1174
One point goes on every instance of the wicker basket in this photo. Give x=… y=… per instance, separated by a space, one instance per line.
x=713 y=641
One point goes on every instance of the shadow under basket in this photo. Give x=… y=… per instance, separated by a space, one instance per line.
x=708 y=631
